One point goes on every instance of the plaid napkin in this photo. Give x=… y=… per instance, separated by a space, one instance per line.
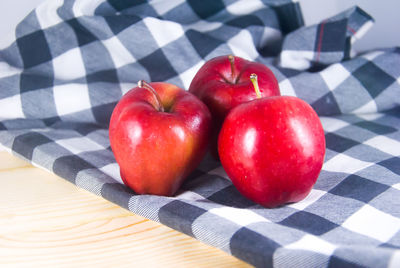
x=72 y=60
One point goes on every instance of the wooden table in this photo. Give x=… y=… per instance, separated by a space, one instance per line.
x=45 y=221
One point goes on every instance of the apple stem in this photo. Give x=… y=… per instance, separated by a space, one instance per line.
x=232 y=61
x=145 y=85
x=253 y=78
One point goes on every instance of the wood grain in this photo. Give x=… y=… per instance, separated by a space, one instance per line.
x=46 y=221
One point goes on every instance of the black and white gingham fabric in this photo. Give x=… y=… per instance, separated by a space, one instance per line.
x=72 y=60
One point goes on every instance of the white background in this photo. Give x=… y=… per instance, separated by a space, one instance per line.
x=385 y=32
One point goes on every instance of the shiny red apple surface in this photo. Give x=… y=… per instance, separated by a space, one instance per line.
x=223 y=82
x=158 y=133
x=272 y=149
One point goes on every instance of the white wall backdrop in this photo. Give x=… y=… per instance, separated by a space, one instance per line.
x=385 y=32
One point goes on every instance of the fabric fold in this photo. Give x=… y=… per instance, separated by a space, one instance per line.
x=328 y=42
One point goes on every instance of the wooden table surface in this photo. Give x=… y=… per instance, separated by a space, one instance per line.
x=46 y=221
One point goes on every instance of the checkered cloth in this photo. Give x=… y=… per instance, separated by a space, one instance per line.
x=72 y=60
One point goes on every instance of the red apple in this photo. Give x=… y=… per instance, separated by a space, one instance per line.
x=272 y=149
x=223 y=82
x=158 y=133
